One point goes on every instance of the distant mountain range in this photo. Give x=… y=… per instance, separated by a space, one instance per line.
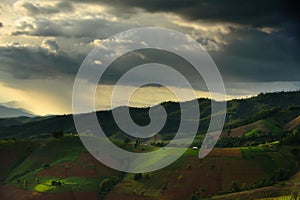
x=6 y=112
x=266 y=113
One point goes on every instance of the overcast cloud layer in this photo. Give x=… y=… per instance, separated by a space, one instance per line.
x=42 y=43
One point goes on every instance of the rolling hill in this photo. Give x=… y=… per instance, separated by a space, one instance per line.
x=6 y=112
x=263 y=150
x=32 y=165
x=258 y=127
x=278 y=108
x=292 y=124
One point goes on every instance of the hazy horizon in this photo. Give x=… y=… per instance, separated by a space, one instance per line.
x=43 y=44
x=13 y=104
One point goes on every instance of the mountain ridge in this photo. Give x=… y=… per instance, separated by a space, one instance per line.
x=7 y=112
x=239 y=112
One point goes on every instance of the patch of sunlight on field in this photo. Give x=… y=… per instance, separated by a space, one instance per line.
x=44 y=187
x=67 y=184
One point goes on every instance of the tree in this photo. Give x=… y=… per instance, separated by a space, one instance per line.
x=234 y=187
x=137 y=176
x=180 y=177
x=46 y=166
x=295 y=151
x=55 y=183
x=57 y=134
x=294 y=195
x=244 y=186
x=137 y=142
x=106 y=185
x=126 y=140
x=25 y=184
x=280 y=175
x=194 y=197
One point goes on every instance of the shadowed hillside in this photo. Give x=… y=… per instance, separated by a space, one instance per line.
x=280 y=108
x=257 y=152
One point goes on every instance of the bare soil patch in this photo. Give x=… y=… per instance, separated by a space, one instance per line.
x=85 y=166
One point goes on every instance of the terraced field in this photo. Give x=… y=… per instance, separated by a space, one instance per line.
x=33 y=170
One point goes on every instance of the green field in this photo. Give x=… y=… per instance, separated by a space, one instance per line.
x=258 y=162
x=188 y=173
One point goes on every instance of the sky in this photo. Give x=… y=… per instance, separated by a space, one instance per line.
x=255 y=45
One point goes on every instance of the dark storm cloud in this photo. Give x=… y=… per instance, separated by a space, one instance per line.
x=46 y=27
x=78 y=28
x=254 y=57
x=136 y=58
x=34 y=9
x=51 y=45
x=257 y=56
x=248 y=54
x=28 y=62
x=256 y=13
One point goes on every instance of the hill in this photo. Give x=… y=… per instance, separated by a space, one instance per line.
x=16 y=121
x=292 y=124
x=264 y=126
x=31 y=166
x=279 y=108
x=258 y=149
x=6 y=112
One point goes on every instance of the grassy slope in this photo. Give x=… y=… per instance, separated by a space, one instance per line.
x=189 y=174
x=55 y=153
x=258 y=127
x=239 y=112
x=47 y=151
x=12 y=154
x=292 y=124
x=270 y=160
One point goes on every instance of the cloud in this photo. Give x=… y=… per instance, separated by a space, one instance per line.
x=51 y=45
x=244 y=44
x=256 y=13
x=250 y=41
x=247 y=89
x=249 y=55
x=31 y=62
x=34 y=9
x=259 y=57
x=92 y=27
x=250 y=12
x=129 y=61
